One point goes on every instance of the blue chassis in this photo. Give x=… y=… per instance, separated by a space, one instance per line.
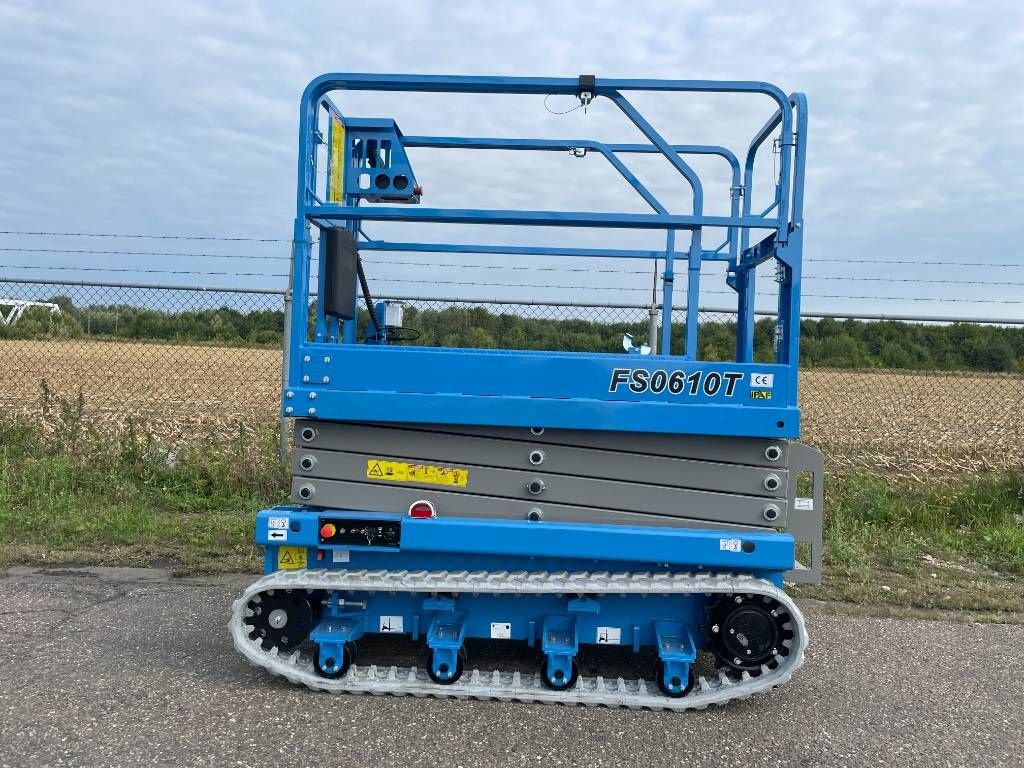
x=560 y=623
x=330 y=376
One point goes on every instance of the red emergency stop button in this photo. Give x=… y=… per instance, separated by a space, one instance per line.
x=327 y=530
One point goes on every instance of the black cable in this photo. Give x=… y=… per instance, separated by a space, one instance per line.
x=367 y=298
x=566 y=112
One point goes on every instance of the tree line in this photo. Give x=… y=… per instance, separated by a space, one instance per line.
x=824 y=343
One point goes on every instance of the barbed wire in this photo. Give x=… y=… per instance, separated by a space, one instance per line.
x=412 y=281
x=146 y=237
x=527 y=268
x=1019 y=265
x=92 y=252
x=858 y=278
x=449 y=265
x=428 y=265
x=506 y=284
x=809 y=260
x=143 y=270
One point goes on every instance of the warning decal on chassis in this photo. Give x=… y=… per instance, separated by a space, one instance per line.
x=403 y=472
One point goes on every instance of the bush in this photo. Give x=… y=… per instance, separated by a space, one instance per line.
x=42 y=323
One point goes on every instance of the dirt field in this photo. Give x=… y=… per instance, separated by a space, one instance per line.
x=901 y=422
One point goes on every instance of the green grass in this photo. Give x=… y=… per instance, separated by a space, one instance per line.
x=980 y=518
x=952 y=544
x=71 y=494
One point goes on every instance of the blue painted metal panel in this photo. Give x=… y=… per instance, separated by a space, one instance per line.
x=634 y=616
x=646 y=544
x=553 y=413
x=546 y=389
x=536 y=546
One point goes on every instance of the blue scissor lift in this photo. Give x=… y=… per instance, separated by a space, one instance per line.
x=550 y=498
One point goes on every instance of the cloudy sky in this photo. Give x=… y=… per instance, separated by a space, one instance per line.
x=180 y=119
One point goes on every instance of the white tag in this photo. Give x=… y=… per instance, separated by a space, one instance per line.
x=609 y=635
x=730 y=545
x=277 y=522
x=803 y=503
x=762 y=380
x=501 y=630
x=340 y=556
x=277 y=535
x=392 y=624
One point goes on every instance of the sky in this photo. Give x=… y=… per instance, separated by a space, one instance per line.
x=180 y=119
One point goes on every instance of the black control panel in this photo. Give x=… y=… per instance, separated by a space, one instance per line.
x=360 y=533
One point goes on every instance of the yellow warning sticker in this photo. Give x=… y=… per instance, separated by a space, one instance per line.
x=291 y=558
x=337 y=161
x=402 y=472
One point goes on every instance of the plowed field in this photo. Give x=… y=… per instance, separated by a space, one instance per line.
x=897 y=421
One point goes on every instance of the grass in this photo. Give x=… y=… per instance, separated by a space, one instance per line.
x=956 y=544
x=70 y=493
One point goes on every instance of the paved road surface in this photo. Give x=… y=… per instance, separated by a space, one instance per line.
x=130 y=668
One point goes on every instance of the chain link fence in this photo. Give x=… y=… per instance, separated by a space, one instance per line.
x=182 y=362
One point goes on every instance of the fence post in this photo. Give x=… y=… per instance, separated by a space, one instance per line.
x=652 y=328
x=282 y=441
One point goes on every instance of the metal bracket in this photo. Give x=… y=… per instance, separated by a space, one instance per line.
x=677 y=652
x=337 y=628
x=445 y=636
x=586 y=89
x=805 y=519
x=584 y=605
x=560 y=643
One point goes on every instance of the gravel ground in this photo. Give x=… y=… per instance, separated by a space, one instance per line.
x=123 y=667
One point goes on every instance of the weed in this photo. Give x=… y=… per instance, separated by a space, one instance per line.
x=71 y=491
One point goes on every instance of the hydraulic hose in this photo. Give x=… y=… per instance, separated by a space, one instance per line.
x=364 y=286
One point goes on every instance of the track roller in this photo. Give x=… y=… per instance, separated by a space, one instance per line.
x=555 y=677
x=333 y=662
x=441 y=668
x=672 y=686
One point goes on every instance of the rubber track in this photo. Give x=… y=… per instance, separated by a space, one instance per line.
x=514 y=686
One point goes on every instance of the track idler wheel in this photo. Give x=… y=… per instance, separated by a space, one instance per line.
x=329 y=665
x=748 y=631
x=280 y=618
